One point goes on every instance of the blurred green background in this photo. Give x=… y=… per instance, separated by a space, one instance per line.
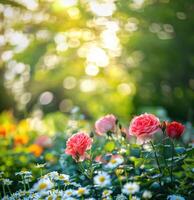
x=104 y=56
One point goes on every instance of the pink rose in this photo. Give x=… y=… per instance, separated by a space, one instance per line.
x=144 y=126
x=105 y=124
x=77 y=145
x=44 y=141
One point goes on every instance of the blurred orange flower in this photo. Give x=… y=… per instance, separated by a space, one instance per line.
x=20 y=139
x=2 y=131
x=35 y=149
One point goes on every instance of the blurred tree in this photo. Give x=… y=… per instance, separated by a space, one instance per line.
x=104 y=56
x=56 y=54
x=158 y=51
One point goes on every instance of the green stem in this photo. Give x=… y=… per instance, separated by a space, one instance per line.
x=172 y=160
x=4 y=193
x=164 y=154
x=41 y=172
x=81 y=167
x=28 y=185
x=24 y=183
x=130 y=196
x=126 y=174
x=157 y=161
x=120 y=182
x=9 y=190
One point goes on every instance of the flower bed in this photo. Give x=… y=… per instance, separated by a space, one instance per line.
x=145 y=161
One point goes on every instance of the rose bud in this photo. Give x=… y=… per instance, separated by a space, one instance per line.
x=174 y=129
x=163 y=125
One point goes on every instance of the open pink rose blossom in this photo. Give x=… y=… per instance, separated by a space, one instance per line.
x=105 y=124
x=77 y=145
x=144 y=127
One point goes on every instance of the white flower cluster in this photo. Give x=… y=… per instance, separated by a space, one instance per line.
x=54 y=185
x=47 y=188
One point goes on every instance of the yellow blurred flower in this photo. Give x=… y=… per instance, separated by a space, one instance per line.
x=23 y=126
x=35 y=149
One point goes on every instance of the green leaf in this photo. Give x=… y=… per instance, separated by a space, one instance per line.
x=180 y=150
x=138 y=162
x=155 y=185
x=109 y=146
x=155 y=176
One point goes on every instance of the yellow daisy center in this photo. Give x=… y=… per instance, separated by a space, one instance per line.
x=113 y=161
x=61 y=177
x=42 y=186
x=50 y=198
x=69 y=193
x=101 y=179
x=130 y=189
x=105 y=192
x=81 y=191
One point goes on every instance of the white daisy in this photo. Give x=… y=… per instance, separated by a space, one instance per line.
x=69 y=193
x=35 y=196
x=52 y=197
x=106 y=193
x=147 y=194
x=54 y=193
x=102 y=179
x=7 y=181
x=82 y=191
x=63 y=177
x=43 y=184
x=114 y=162
x=40 y=165
x=23 y=173
x=44 y=193
x=52 y=175
x=130 y=188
